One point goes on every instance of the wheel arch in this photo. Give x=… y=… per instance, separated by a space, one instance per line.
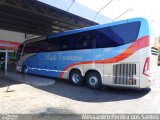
x=75 y=69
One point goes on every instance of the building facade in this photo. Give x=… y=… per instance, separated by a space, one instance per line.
x=9 y=42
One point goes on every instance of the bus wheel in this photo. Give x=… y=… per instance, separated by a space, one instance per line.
x=93 y=80
x=25 y=69
x=76 y=78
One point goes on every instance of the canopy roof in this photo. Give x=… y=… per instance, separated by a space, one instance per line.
x=35 y=17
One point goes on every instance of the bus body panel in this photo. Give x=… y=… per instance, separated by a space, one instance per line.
x=118 y=66
x=148 y=60
x=123 y=76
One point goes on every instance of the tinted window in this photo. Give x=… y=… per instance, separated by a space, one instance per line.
x=100 y=38
x=20 y=49
x=117 y=35
x=83 y=40
x=19 y=52
x=38 y=46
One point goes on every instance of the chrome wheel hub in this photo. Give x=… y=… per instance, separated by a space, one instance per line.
x=75 y=78
x=93 y=80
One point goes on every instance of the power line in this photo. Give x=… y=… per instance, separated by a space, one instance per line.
x=70 y=5
x=102 y=9
x=123 y=14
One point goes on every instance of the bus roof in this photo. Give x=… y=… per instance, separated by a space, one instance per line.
x=94 y=27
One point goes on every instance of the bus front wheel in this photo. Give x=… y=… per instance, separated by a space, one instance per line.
x=93 y=80
x=24 y=69
x=76 y=78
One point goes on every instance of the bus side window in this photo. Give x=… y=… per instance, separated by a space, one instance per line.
x=71 y=43
x=57 y=45
x=84 y=40
x=64 y=45
x=79 y=43
x=126 y=33
x=92 y=41
x=102 y=40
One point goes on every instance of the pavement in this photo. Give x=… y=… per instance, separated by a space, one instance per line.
x=62 y=98
x=29 y=79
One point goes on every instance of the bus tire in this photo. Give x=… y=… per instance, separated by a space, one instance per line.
x=93 y=80
x=24 y=69
x=76 y=78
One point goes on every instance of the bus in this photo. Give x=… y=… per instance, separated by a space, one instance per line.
x=119 y=54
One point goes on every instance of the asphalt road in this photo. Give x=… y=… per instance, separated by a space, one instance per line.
x=17 y=97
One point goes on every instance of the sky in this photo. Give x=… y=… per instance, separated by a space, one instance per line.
x=149 y=9
x=119 y=9
x=136 y=8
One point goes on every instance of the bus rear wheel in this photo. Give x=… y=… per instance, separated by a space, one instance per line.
x=76 y=78
x=93 y=80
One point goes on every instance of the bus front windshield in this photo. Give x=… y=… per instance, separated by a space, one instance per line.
x=19 y=51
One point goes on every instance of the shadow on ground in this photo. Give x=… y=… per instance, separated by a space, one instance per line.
x=5 y=82
x=85 y=94
x=63 y=88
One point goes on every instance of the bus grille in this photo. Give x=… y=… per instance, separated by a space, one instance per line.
x=154 y=51
x=124 y=74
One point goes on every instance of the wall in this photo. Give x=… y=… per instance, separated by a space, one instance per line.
x=10 y=40
x=12 y=36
